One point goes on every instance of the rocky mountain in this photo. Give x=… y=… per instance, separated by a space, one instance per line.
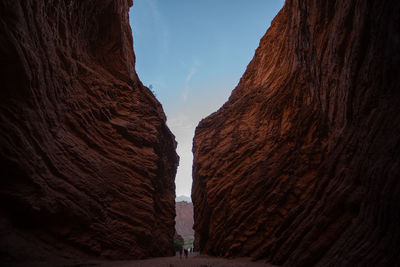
x=301 y=166
x=183 y=198
x=87 y=162
x=184 y=219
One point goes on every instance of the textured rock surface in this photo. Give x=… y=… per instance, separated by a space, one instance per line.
x=87 y=163
x=184 y=219
x=301 y=165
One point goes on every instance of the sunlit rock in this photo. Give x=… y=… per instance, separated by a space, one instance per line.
x=301 y=165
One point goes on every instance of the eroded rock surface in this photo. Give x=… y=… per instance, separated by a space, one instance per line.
x=301 y=166
x=87 y=162
x=184 y=219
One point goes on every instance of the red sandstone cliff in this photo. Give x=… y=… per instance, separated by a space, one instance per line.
x=87 y=162
x=301 y=166
x=184 y=219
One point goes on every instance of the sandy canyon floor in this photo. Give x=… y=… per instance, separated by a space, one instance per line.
x=192 y=261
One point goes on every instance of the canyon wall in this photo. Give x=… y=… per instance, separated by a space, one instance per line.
x=301 y=166
x=87 y=162
x=184 y=219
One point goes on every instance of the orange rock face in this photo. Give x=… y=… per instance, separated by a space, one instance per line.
x=301 y=166
x=87 y=162
x=184 y=219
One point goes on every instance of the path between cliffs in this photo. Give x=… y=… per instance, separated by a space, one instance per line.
x=192 y=261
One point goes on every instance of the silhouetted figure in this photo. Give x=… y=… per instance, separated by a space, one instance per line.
x=180 y=253
x=186 y=253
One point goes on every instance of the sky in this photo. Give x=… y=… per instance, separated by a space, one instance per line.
x=193 y=54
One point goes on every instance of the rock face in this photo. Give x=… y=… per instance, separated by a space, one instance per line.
x=301 y=166
x=183 y=198
x=87 y=162
x=184 y=219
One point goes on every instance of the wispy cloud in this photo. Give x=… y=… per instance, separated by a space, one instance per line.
x=187 y=83
x=160 y=22
x=189 y=76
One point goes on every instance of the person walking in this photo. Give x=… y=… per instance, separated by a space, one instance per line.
x=186 y=253
x=180 y=253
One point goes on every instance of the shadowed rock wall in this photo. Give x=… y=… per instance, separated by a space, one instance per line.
x=184 y=219
x=301 y=166
x=87 y=162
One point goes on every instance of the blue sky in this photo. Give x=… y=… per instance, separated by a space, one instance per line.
x=193 y=53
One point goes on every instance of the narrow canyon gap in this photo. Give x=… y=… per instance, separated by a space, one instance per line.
x=301 y=166
x=87 y=162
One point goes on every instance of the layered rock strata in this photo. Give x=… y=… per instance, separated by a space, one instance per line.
x=184 y=219
x=87 y=162
x=301 y=166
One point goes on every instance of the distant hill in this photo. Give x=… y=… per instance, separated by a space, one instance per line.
x=184 y=219
x=183 y=198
